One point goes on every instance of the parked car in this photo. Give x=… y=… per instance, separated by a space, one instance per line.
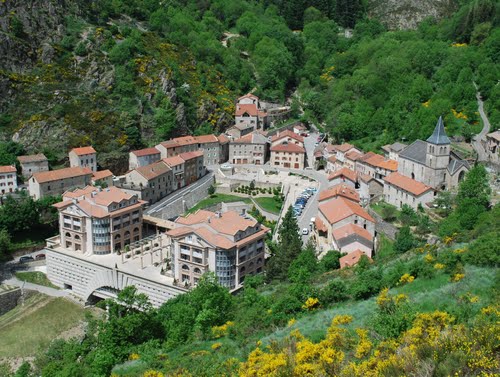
x=305 y=231
x=40 y=256
x=26 y=258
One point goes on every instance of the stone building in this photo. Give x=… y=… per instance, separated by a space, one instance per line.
x=209 y=144
x=56 y=182
x=343 y=176
x=8 y=179
x=95 y=221
x=432 y=162
x=103 y=178
x=228 y=244
x=143 y=157
x=239 y=130
x=288 y=155
x=340 y=190
x=493 y=146
x=250 y=113
x=84 y=157
x=33 y=164
x=392 y=151
x=223 y=148
x=399 y=190
x=250 y=149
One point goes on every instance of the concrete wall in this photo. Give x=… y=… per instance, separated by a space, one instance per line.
x=9 y=299
x=85 y=277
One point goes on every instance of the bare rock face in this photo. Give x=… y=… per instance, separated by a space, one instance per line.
x=407 y=14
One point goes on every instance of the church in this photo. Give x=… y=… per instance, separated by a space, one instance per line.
x=432 y=162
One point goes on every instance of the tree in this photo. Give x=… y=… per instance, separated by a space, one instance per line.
x=404 y=240
x=475 y=187
x=165 y=120
x=389 y=213
x=288 y=247
x=331 y=260
x=5 y=244
x=408 y=215
x=444 y=200
x=304 y=265
x=211 y=190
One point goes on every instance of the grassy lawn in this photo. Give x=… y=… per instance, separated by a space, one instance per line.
x=32 y=326
x=379 y=207
x=269 y=204
x=35 y=277
x=216 y=199
x=386 y=249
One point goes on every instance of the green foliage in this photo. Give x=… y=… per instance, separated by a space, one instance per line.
x=367 y=283
x=24 y=370
x=211 y=190
x=304 y=265
x=330 y=260
x=9 y=151
x=404 y=240
x=408 y=216
x=288 y=247
x=485 y=251
x=335 y=291
x=389 y=213
x=5 y=244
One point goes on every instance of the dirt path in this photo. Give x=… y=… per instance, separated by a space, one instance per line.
x=479 y=141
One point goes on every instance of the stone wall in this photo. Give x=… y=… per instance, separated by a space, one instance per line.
x=8 y=298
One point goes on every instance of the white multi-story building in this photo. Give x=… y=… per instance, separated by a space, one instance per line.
x=143 y=157
x=8 y=179
x=84 y=157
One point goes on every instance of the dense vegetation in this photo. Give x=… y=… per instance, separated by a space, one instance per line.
x=129 y=73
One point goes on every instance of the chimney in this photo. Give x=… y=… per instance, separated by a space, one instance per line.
x=218 y=214
x=75 y=201
x=208 y=219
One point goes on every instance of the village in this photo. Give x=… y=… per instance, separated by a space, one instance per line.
x=138 y=228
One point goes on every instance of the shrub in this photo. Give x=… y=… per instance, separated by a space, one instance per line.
x=389 y=213
x=404 y=240
x=335 y=291
x=485 y=251
x=331 y=260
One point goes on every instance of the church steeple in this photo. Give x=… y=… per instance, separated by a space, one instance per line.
x=439 y=136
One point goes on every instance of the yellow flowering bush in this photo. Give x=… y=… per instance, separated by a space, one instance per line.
x=134 y=356
x=216 y=346
x=426 y=103
x=406 y=278
x=152 y=373
x=459 y=45
x=311 y=303
x=439 y=266
x=291 y=322
x=364 y=346
x=429 y=258
x=220 y=331
x=457 y=277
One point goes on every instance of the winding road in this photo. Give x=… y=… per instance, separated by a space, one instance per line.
x=479 y=140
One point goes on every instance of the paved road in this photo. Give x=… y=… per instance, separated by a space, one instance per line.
x=479 y=140
x=157 y=207
x=35 y=287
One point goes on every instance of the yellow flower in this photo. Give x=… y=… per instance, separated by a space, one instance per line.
x=439 y=266
x=216 y=346
x=134 y=356
x=291 y=322
x=457 y=277
x=341 y=320
x=429 y=258
x=406 y=278
x=311 y=303
x=426 y=104
x=459 y=45
x=152 y=373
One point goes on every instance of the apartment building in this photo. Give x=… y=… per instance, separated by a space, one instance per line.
x=343 y=176
x=228 y=244
x=399 y=190
x=95 y=221
x=33 y=164
x=250 y=149
x=288 y=137
x=288 y=155
x=103 y=178
x=56 y=182
x=143 y=157
x=8 y=179
x=84 y=157
x=194 y=168
x=176 y=163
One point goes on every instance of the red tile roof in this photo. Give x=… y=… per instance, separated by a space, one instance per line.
x=344 y=172
x=287 y=133
x=223 y=139
x=332 y=159
x=391 y=165
x=32 y=158
x=169 y=144
x=101 y=174
x=339 y=190
x=352 y=258
x=320 y=225
x=146 y=152
x=290 y=148
x=338 y=209
x=344 y=147
x=190 y=155
x=379 y=161
x=173 y=161
x=349 y=229
x=353 y=155
x=7 y=169
x=248 y=95
x=203 y=139
x=83 y=150
x=250 y=109
x=54 y=175
x=153 y=170
x=405 y=183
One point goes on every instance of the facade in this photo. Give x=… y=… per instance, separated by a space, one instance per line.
x=342 y=150
x=239 y=130
x=193 y=166
x=8 y=179
x=177 y=165
x=33 y=164
x=432 y=162
x=95 y=221
x=150 y=183
x=249 y=112
x=493 y=146
x=331 y=164
x=288 y=137
x=288 y=155
x=143 y=157
x=369 y=188
x=392 y=151
x=343 y=176
x=250 y=149
x=223 y=148
x=351 y=158
x=399 y=190
x=227 y=244
x=102 y=178
x=84 y=157
x=209 y=144
x=343 y=225
x=56 y=182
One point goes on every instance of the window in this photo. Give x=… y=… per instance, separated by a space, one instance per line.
x=185 y=267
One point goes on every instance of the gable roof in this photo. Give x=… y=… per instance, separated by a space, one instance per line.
x=7 y=169
x=32 y=158
x=287 y=133
x=55 y=175
x=223 y=139
x=351 y=230
x=344 y=172
x=203 y=139
x=190 y=155
x=494 y=135
x=439 y=136
x=338 y=209
x=353 y=155
x=250 y=109
x=288 y=147
x=173 y=161
x=153 y=170
x=339 y=190
x=407 y=184
x=101 y=174
x=252 y=138
x=83 y=150
x=145 y=152
x=344 y=147
x=455 y=164
x=416 y=151
x=352 y=258
x=249 y=95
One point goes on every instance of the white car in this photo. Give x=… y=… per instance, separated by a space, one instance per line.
x=305 y=231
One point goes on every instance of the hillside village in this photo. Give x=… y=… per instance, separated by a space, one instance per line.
x=249 y=189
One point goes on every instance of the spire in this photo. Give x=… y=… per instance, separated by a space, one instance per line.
x=439 y=137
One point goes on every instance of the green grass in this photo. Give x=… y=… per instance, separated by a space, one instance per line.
x=269 y=204
x=35 y=277
x=31 y=327
x=386 y=249
x=379 y=206
x=216 y=199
